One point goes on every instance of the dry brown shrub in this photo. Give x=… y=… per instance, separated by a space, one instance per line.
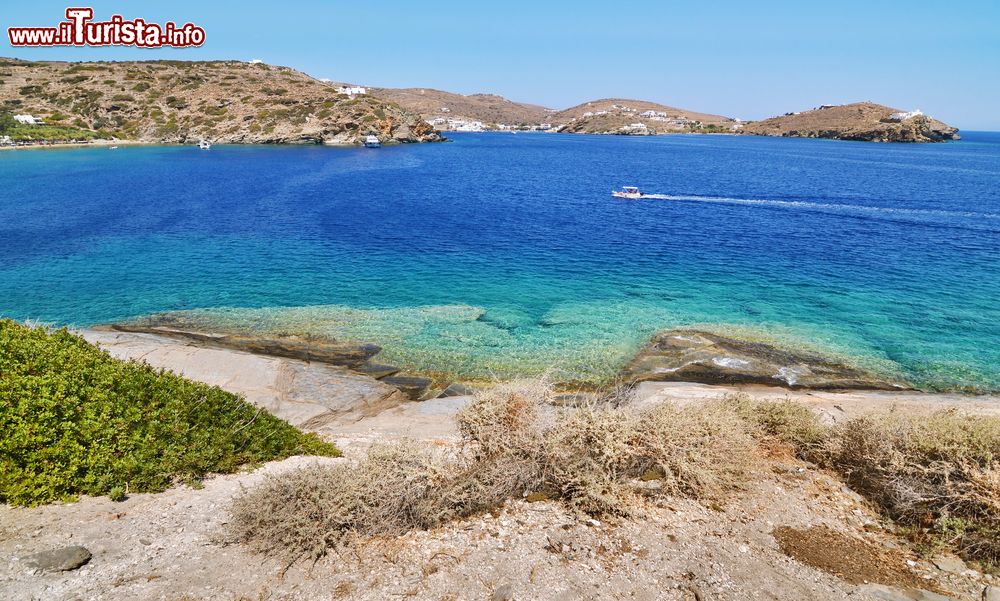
x=936 y=471
x=703 y=451
x=784 y=421
x=513 y=443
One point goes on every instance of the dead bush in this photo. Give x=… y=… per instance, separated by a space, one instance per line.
x=785 y=421
x=938 y=472
x=703 y=451
x=513 y=444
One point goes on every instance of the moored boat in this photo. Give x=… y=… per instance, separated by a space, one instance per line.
x=372 y=141
x=204 y=144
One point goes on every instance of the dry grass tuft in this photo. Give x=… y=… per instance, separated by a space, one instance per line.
x=937 y=472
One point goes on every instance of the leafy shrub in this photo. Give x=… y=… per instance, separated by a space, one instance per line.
x=141 y=87
x=77 y=421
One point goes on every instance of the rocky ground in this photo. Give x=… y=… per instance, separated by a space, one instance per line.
x=797 y=534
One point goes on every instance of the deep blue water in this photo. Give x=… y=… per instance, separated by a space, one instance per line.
x=501 y=253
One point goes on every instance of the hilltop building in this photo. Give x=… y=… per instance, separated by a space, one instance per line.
x=904 y=115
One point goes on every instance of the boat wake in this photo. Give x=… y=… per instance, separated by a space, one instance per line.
x=926 y=214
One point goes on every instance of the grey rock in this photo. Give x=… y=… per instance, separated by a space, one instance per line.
x=886 y=593
x=457 y=389
x=991 y=593
x=377 y=370
x=504 y=592
x=949 y=563
x=694 y=356
x=323 y=350
x=414 y=387
x=59 y=560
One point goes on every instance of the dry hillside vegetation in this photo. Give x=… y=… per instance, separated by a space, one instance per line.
x=935 y=473
x=182 y=101
x=611 y=115
x=864 y=121
x=488 y=108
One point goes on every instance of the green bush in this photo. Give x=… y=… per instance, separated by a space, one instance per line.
x=77 y=421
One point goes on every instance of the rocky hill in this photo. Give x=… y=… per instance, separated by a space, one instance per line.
x=489 y=109
x=865 y=121
x=182 y=101
x=637 y=117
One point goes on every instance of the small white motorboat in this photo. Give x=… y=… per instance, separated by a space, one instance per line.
x=372 y=141
x=630 y=192
x=204 y=144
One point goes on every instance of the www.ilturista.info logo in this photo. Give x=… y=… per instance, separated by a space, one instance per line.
x=79 y=29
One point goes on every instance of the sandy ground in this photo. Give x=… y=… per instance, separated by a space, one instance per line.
x=172 y=545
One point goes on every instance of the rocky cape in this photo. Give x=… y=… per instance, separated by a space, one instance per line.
x=862 y=121
x=184 y=101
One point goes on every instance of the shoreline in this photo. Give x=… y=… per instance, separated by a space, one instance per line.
x=338 y=400
x=57 y=145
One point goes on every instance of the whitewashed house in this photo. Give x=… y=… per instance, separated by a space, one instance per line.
x=904 y=115
x=28 y=120
x=256 y=61
x=352 y=90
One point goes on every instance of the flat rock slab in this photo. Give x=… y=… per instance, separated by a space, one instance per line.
x=693 y=356
x=58 y=560
x=312 y=396
x=324 y=350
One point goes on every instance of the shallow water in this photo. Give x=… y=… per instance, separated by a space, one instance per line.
x=503 y=254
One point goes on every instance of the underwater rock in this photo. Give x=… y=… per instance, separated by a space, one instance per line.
x=694 y=356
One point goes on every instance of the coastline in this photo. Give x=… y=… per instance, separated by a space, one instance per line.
x=98 y=143
x=340 y=402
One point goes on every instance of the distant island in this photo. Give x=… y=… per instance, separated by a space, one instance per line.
x=865 y=121
x=169 y=101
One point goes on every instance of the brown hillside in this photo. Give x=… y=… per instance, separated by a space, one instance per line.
x=616 y=115
x=182 y=101
x=488 y=108
x=866 y=121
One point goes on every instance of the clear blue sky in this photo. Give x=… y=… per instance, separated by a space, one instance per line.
x=737 y=58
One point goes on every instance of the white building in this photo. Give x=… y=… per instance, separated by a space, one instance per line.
x=635 y=128
x=256 y=61
x=903 y=116
x=588 y=114
x=436 y=121
x=28 y=120
x=445 y=109
x=352 y=90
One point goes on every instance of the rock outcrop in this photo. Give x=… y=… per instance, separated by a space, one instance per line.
x=221 y=101
x=862 y=121
x=693 y=356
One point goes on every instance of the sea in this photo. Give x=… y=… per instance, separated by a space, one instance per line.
x=497 y=255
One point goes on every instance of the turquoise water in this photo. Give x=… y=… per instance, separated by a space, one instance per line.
x=505 y=255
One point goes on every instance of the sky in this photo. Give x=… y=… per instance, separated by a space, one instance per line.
x=736 y=58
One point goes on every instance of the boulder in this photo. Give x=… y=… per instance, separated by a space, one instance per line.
x=414 y=387
x=695 y=356
x=59 y=560
x=377 y=370
x=457 y=389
